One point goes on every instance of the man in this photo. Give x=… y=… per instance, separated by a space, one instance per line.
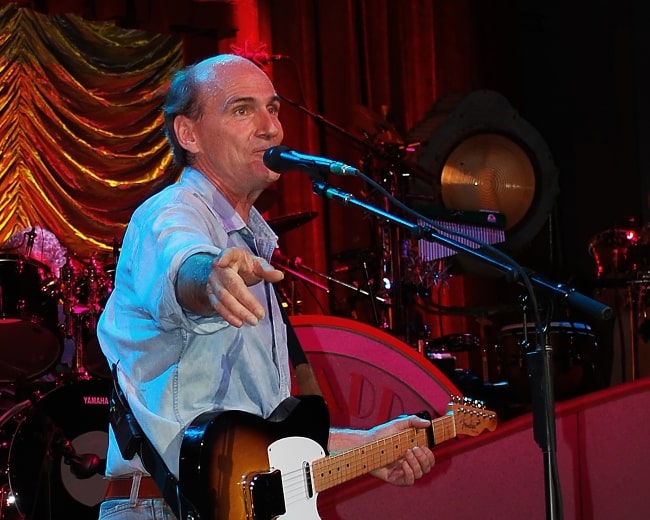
x=193 y=323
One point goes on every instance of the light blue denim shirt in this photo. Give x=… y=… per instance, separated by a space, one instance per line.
x=174 y=365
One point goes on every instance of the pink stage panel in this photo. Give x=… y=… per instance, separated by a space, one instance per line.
x=367 y=375
x=603 y=450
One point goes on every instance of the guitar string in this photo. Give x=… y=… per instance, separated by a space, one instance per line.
x=295 y=481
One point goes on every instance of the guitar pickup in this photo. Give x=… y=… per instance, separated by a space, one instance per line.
x=266 y=495
x=307 y=473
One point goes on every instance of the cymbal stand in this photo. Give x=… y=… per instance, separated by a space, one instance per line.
x=78 y=368
x=373 y=304
x=92 y=273
x=66 y=288
x=86 y=317
x=391 y=274
x=394 y=155
x=344 y=284
x=638 y=318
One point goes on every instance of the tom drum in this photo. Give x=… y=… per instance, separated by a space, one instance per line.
x=30 y=343
x=573 y=356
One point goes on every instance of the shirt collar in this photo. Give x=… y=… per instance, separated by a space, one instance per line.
x=265 y=238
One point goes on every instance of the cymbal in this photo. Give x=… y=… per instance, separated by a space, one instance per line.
x=367 y=121
x=489 y=171
x=288 y=222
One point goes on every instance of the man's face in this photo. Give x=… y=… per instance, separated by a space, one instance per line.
x=239 y=123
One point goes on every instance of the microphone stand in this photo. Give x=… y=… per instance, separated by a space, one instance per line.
x=540 y=359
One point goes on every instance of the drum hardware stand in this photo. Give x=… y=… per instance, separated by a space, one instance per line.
x=373 y=304
x=55 y=443
x=342 y=284
x=67 y=285
x=541 y=384
x=283 y=265
x=637 y=311
x=394 y=154
x=291 y=266
x=78 y=367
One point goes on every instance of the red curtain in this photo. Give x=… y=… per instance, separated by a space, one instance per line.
x=81 y=144
x=394 y=59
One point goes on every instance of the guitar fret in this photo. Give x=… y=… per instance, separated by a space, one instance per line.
x=355 y=462
x=446 y=429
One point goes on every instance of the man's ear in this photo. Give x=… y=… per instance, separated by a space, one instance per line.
x=184 y=129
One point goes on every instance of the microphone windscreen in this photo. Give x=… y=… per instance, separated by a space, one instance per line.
x=273 y=159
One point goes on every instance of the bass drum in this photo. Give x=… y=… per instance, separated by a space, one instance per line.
x=30 y=343
x=38 y=481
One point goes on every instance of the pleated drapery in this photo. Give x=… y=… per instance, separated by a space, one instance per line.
x=81 y=143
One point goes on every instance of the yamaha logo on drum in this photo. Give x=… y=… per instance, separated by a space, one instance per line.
x=96 y=399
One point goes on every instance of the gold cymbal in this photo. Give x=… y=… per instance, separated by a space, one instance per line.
x=489 y=172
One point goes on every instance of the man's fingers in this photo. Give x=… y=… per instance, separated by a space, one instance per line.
x=229 y=294
x=266 y=271
x=251 y=268
x=234 y=311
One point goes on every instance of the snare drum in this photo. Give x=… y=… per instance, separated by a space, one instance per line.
x=37 y=482
x=573 y=355
x=30 y=343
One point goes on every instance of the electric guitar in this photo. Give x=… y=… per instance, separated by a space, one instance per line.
x=237 y=466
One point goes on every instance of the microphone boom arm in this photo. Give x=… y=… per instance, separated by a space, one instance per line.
x=572 y=297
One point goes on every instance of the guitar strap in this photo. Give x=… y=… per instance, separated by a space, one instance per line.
x=305 y=377
x=131 y=440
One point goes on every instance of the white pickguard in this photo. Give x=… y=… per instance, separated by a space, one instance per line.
x=290 y=456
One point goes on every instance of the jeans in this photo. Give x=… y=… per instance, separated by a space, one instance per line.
x=144 y=509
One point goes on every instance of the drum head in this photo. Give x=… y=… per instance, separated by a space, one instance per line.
x=30 y=343
x=40 y=470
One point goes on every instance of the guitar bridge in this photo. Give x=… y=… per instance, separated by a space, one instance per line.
x=264 y=496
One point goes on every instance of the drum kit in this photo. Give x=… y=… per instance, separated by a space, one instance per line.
x=622 y=260
x=54 y=379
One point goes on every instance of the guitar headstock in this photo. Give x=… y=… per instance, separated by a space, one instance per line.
x=470 y=416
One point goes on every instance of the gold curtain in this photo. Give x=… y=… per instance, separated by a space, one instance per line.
x=81 y=143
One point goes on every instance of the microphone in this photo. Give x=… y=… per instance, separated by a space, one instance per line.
x=84 y=465
x=31 y=236
x=281 y=159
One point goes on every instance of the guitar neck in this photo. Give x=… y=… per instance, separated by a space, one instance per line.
x=342 y=467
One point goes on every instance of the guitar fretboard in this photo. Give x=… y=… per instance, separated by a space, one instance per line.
x=337 y=469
